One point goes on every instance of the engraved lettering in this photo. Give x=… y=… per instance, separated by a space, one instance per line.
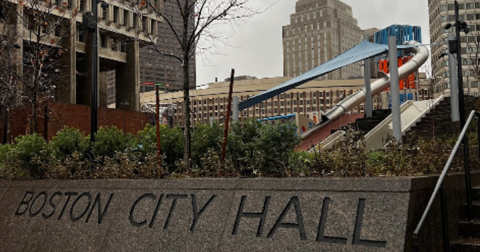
x=175 y=197
x=299 y=225
x=196 y=215
x=262 y=216
x=89 y=197
x=154 y=217
x=24 y=202
x=54 y=207
x=133 y=222
x=321 y=226
x=68 y=194
x=44 y=194
x=358 y=229
x=98 y=203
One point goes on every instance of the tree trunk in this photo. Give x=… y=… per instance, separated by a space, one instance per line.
x=33 y=130
x=186 y=111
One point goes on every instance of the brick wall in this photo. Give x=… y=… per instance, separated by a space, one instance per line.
x=76 y=116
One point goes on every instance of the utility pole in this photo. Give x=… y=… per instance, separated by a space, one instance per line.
x=90 y=24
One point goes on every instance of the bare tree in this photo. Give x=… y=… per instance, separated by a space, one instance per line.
x=198 y=18
x=32 y=32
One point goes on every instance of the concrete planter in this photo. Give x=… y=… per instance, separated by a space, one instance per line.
x=333 y=214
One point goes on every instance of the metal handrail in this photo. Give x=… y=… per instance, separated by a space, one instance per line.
x=443 y=174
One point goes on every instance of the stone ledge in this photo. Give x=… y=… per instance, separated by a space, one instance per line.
x=266 y=214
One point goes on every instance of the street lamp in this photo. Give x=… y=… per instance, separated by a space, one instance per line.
x=90 y=23
x=455 y=47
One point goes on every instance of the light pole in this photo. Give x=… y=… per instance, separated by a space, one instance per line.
x=90 y=23
x=455 y=47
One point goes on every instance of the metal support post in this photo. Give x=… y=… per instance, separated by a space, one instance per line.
x=227 y=120
x=461 y=103
x=94 y=102
x=444 y=212
x=368 y=88
x=235 y=108
x=157 y=123
x=452 y=64
x=397 y=123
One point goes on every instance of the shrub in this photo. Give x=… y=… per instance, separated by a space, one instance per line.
x=171 y=143
x=241 y=146
x=4 y=151
x=204 y=138
x=31 y=152
x=299 y=163
x=66 y=142
x=110 y=140
x=257 y=148
x=274 y=145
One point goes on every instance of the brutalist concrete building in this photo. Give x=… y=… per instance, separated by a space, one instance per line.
x=121 y=32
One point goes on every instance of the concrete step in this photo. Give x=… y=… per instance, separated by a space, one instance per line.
x=468 y=229
x=476 y=192
x=475 y=206
x=466 y=245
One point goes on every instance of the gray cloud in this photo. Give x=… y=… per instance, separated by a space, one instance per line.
x=255 y=46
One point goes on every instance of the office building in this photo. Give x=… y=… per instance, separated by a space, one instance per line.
x=157 y=67
x=442 y=12
x=320 y=30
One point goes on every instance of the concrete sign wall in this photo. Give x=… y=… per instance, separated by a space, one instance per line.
x=216 y=214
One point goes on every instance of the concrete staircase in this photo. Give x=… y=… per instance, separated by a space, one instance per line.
x=367 y=124
x=438 y=122
x=469 y=231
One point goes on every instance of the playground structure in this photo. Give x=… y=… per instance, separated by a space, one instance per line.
x=302 y=122
x=364 y=50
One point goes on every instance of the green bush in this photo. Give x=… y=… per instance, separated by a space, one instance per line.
x=66 y=142
x=110 y=140
x=299 y=163
x=256 y=148
x=171 y=143
x=4 y=151
x=205 y=138
x=274 y=145
x=30 y=152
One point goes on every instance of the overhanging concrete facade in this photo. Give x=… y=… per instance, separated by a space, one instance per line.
x=121 y=31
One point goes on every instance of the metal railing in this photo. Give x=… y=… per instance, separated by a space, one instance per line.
x=439 y=187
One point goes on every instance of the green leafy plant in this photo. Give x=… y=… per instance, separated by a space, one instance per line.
x=204 y=138
x=171 y=143
x=110 y=140
x=31 y=152
x=66 y=142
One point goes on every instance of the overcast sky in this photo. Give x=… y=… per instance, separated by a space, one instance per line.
x=255 y=46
